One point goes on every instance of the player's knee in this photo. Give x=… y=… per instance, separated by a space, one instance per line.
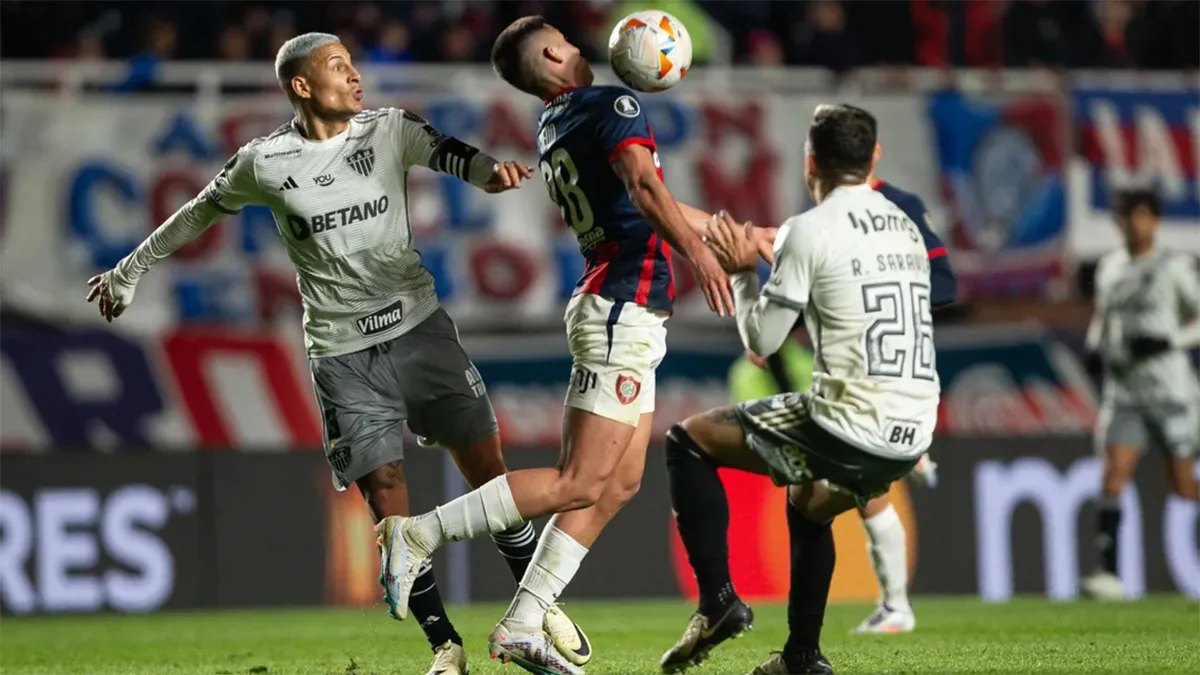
x=390 y=476
x=578 y=489
x=624 y=489
x=582 y=494
x=681 y=445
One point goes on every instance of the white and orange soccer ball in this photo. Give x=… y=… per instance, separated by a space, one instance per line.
x=650 y=50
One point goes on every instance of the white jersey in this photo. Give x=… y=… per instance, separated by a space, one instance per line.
x=1156 y=295
x=857 y=267
x=341 y=207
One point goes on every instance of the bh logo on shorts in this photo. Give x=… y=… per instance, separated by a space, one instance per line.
x=627 y=389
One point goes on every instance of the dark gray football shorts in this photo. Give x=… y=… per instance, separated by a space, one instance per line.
x=797 y=450
x=1170 y=428
x=423 y=377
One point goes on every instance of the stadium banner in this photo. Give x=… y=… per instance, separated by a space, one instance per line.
x=96 y=175
x=226 y=389
x=136 y=532
x=1130 y=137
x=1000 y=161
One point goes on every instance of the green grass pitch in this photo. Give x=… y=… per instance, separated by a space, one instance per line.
x=1158 y=635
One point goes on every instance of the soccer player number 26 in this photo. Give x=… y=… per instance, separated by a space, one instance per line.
x=562 y=179
x=908 y=318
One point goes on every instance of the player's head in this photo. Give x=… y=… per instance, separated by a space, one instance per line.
x=316 y=73
x=536 y=58
x=1137 y=213
x=840 y=149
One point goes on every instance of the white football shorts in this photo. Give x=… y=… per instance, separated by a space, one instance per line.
x=616 y=347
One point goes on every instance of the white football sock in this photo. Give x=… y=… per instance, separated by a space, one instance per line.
x=887 y=542
x=487 y=510
x=554 y=564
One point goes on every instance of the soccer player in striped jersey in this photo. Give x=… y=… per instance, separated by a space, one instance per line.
x=600 y=165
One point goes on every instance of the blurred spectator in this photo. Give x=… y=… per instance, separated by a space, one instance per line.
x=1033 y=34
x=235 y=44
x=763 y=48
x=827 y=43
x=459 y=44
x=1157 y=34
x=393 y=44
x=161 y=42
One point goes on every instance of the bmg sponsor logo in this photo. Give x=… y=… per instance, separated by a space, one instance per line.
x=80 y=549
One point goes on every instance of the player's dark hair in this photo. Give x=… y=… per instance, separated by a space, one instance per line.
x=1128 y=201
x=842 y=142
x=509 y=59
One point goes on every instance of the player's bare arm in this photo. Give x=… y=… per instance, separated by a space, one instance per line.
x=764 y=323
x=635 y=166
x=764 y=237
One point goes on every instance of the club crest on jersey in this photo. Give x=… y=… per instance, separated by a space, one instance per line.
x=627 y=389
x=627 y=106
x=362 y=161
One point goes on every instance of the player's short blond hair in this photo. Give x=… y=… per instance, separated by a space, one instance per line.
x=295 y=53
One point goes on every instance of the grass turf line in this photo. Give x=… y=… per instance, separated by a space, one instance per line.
x=1156 y=635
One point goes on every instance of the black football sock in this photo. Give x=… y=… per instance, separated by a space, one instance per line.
x=1108 y=521
x=517 y=546
x=702 y=513
x=425 y=605
x=813 y=556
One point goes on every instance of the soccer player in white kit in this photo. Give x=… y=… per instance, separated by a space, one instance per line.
x=856 y=266
x=1147 y=317
x=383 y=352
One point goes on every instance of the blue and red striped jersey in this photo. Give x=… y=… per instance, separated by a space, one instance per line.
x=944 y=287
x=581 y=132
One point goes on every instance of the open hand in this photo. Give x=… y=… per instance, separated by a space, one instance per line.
x=764 y=239
x=507 y=176
x=113 y=298
x=714 y=282
x=732 y=243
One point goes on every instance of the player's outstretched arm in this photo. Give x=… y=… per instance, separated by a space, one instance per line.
x=764 y=237
x=232 y=189
x=422 y=145
x=635 y=166
x=764 y=322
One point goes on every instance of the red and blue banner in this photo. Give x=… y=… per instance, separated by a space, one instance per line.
x=1137 y=138
x=1001 y=167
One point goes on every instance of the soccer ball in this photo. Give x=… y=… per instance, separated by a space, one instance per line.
x=650 y=50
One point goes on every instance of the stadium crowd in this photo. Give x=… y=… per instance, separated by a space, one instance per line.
x=840 y=35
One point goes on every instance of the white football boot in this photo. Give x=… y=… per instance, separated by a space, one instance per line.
x=1104 y=586
x=449 y=659
x=567 y=636
x=925 y=472
x=533 y=651
x=404 y=550
x=886 y=620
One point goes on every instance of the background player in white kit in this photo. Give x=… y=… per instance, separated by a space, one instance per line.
x=383 y=352
x=856 y=266
x=1147 y=317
